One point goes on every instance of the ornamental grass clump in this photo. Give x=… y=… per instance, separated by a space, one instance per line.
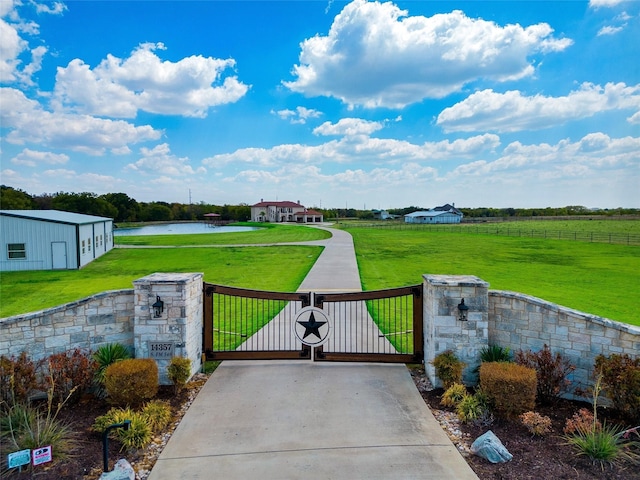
x=152 y=418
x=603 y=443
x=107 y=355
x=453 y=395
x=158 y=414
x=25 y=426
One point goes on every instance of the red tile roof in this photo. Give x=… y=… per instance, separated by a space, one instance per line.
x=278 y=204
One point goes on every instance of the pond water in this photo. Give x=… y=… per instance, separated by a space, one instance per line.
x=178 y=229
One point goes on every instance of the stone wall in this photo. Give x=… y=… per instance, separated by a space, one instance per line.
x=520 y=321
x=88 y=323
x=122 y=316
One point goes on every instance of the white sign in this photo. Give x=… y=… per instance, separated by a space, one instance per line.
x=17 y=459
x=42 y=455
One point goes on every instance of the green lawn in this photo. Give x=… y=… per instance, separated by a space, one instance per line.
x=264 y=268
x=596 y=278
x=268 y=233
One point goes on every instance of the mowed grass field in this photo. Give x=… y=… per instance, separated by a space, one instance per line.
x=280 y=268
x=596 y=278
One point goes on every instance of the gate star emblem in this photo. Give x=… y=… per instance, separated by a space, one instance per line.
x=312 y=327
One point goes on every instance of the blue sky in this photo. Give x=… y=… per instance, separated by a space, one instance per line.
x=335 y=104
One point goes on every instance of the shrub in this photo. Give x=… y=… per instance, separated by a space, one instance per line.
x=538 y=425
x=70 y=371
x=158 y=414
x=179 y=371
x=581 y=421
x=453 y=395
x=131 y=382
x=448 y=368
x=495 y=353
x=552 y=372
x=18 y=380
x=511 y=388
x=621 y=382
x=469 y=409
x=107 y=355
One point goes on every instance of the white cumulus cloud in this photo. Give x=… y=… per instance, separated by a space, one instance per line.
x=32 y=158
x=143 y=81
x=357 y=146
x=28 y=122
x=609 y=30
x=511 y=111
x=14 y=49
x=376 y=55
x=348 y=126
x=298 y=116
x=604 y=3
x=160 y=161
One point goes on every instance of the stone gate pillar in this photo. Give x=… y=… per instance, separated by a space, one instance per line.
x=177 y=330
x=443 y=330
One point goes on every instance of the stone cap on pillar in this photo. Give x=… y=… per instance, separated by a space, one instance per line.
x=159 y=277
x=456 y=280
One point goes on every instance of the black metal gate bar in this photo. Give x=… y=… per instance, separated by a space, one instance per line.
x=243 y=324
x=373 y=326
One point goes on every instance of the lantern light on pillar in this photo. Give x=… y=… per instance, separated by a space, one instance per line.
x=158 y=307
x=462 y=311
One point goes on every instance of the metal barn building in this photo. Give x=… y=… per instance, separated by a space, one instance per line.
x=52 y=239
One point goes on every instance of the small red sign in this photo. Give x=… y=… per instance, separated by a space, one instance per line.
x=41 y=455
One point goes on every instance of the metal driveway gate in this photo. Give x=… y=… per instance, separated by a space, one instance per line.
x=375 y=326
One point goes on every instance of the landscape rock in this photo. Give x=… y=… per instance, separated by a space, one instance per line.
x=121 y=471
x=490 y=447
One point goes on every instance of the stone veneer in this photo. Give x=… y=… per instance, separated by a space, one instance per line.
x=520 y=321
x=442 y=328
x=88 y=323
x=180 y=323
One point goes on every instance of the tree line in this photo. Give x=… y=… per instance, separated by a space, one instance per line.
x=119 y=206
x=123 y=208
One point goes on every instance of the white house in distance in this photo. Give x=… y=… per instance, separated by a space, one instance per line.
x=52 y=239
x=275 y=212
x=444 y=214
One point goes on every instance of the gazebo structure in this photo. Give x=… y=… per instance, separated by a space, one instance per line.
x=212 y=219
